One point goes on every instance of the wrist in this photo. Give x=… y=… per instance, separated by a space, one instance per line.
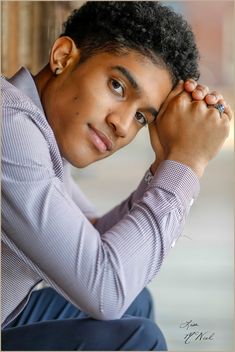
x=198 y=166
x=154 y=166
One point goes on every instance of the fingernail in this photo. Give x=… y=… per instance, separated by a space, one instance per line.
x=199 y=94
x=191 y=81
x=212 y=96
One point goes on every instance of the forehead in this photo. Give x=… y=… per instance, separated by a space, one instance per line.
x=154 y=81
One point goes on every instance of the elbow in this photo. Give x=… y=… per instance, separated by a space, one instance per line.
x=105 y=313
x=107 y=309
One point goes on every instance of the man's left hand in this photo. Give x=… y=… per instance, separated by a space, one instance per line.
x=198 y=92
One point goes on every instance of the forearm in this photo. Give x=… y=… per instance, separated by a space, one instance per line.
x=109 y=219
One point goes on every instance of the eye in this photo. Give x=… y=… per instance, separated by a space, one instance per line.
x=141 y=118
x=117 y=87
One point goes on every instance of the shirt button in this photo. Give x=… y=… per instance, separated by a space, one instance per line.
x=173 y=243
x=191 y=202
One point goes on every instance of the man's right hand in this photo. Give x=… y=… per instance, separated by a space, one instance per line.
x=190 y=131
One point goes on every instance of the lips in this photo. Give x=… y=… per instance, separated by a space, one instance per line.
x=100 y=140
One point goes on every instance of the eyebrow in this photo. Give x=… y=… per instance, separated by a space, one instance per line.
x=134 y=85
x=129 y=76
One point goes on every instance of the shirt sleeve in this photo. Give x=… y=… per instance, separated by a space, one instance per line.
x=106 y=221
x=109 y=219
x=77 y=195
x=101 y=275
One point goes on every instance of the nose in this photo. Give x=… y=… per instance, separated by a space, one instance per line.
x=120 y=122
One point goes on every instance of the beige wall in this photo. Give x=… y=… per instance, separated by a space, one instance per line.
x=28 y=30
x=213 y=25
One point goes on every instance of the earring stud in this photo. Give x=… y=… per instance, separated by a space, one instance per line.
x=56 y=71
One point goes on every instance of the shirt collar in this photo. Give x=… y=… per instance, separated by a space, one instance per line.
x=23 y=80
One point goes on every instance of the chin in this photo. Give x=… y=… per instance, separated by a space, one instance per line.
x=84 y=158
x=80 y=164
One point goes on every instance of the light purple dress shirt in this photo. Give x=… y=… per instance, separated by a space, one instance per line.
x=46 y=234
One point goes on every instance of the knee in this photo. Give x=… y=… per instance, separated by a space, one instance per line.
x=149 y=336
x=142 y=306
x=150 y=305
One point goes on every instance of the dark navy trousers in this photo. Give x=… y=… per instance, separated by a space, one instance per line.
x=50 y=323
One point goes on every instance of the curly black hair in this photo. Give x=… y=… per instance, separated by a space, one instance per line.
x=148 y=27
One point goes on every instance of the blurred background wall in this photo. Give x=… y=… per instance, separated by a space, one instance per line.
x=196 y=281
x=29 y=28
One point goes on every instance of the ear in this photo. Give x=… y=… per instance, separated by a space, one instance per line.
x=64 y=54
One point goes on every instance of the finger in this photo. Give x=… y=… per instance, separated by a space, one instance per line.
x=229 y=112
x=200 y=92
x=213 y=98
x=190 y=85
x=152 y=126
x=227 y=109
x=179 y=89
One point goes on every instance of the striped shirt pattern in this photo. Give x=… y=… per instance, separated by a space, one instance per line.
x=46 y=234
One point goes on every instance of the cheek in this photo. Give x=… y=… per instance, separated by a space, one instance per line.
x=123 y=142
x=95 y=92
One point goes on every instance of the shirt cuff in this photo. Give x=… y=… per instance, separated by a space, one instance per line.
x=178 y=179
x=148 y=176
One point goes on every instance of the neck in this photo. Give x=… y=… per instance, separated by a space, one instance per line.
x=42 y=78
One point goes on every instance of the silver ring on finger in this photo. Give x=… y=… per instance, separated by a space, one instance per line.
x=220 y=107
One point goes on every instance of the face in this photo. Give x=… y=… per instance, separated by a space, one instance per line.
x=99 y=106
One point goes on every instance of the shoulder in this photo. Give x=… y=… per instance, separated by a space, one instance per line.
x=13 y=98
x=26 y=134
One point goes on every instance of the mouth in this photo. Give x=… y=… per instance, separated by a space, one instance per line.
x=100 y=140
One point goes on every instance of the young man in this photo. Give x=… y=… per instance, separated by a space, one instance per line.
x=117 y=67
